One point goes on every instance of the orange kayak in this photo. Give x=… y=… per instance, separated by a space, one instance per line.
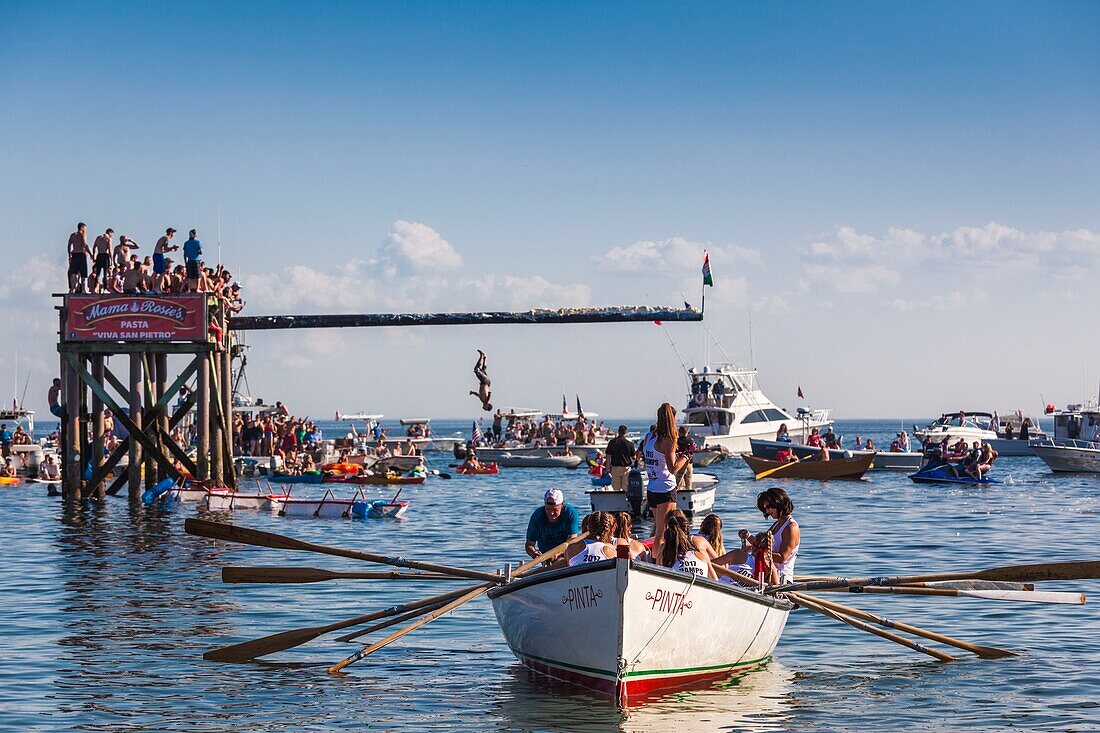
x=346 y=468
x=489 y=469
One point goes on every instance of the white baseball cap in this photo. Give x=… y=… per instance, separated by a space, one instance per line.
x=553 y=496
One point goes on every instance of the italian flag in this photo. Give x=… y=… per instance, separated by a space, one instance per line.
x=708 y=279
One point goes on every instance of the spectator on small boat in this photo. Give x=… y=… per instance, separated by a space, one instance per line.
x=5 y=440
x=49 y=470
x=869 y=445
x=620 y=456
x=986 y=458
x=471 y=463
x=600 y=544
x=661 y=467
x=903 y=442
x=814 y=440
x=677 y=552
x=8 y=470
x=1025 y=429
x=823 y=454
x=858 y=444
x=830 y=439
x=78 y=259
x=895 y=446
x=623 y=526
x=551 y=524
x=783 y=435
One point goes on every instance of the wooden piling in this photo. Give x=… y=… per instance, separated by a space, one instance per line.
x=97 y=429
x=134 y=387
x=202 y=420
x=71 y=449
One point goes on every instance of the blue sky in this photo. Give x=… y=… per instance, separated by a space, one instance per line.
x=905 y=193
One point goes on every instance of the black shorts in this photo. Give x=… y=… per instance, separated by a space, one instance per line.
x=193 y=267
x=102 y=262
x=656 y=499
x=78 y=264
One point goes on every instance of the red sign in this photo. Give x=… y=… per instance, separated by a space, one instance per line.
x=136 y=318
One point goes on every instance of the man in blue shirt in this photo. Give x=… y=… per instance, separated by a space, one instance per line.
x=552 y=524
x=5 y=439
x=192 y=256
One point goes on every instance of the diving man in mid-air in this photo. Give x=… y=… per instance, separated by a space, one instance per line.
x=483 y=392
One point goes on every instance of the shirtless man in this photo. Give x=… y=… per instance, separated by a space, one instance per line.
x=483 y=393
x=164 y=246
x=54 y=398
x=102 y=250
x=78 y=259
x=133 y=280
x=122 y=252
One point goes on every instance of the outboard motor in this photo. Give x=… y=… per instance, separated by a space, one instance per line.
x=635 y=492
x=459 y=451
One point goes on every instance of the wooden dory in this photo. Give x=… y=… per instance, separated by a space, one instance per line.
x=631 y=630
x=838 y=468
x=230 y=500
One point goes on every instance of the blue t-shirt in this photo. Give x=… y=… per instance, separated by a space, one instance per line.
x=5 y=435
x=547 y=535
x=192 y=249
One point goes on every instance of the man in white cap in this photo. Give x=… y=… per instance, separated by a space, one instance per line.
x=552 y=524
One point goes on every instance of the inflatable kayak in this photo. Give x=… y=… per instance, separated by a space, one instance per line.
x=349 y=468
x=488 y=469
x=940 y=475
x=10 y=481
x=601 y=480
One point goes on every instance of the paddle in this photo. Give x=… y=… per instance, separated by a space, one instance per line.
x=441 y=474
x=1076 y=570
x=293 y=574
x=259 y=538
x=807 y=603
x=249 y=650
x=770 y=471
x=471 y=595
x=1025 y=596
x=957 y=584
x=985 y=652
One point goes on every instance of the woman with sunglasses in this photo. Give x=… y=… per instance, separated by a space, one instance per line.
x=777 y=506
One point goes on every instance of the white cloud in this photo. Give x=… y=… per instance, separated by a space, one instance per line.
x=940 y=303
x=411 y=248
x=674 y=254
x=850 y=279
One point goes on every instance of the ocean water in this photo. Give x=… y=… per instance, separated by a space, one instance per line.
x=107 y=610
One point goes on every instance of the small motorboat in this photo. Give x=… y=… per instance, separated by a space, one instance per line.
x=699 y=499
x=898 y=460
x=486 y=469
x=708 y=456
x=509 y=460
x=1069 y=456
x=940 y=475
x=837 y=468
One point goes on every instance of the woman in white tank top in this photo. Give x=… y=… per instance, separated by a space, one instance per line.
x=601 y=530
x=661 y=465
x=678 y=553
x=777 y=506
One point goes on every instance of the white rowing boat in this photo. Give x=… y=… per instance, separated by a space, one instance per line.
x=331 y=507
x=230 y=500
x=632 y=630
x=532 y=461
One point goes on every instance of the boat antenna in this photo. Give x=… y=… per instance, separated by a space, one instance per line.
x=23 y=398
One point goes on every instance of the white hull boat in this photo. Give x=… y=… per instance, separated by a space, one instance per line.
x=493 y=455
x=1003 y=433
x=330 y=507
x=1069 y=456
x=726 y=409
x=632 y=630
x=531 y=461
x=699 y=499
x=894 y=461
x=230 y=500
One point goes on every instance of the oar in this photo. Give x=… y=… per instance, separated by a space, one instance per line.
x=471 y=595
x=293 y=574
x=1026 y=596
x=391 y=622
x=249 y=650
x=1076 y=570
x=985 y=652
x=770 y=471
x=259 y=538
x=807 y=603
x=441 y=474
x=957 y=584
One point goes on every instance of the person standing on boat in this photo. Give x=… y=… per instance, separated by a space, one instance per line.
x=620 y=456
x=552 y=524
x=685 y=446
x=777 y=506
x=662 y=465
x=78 y=259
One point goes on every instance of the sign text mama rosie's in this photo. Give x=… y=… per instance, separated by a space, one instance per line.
x=154 y=308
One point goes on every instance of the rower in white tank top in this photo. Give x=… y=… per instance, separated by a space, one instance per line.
x=784 y=569
x=661 y=480
x=592 y=552
x=689 y=562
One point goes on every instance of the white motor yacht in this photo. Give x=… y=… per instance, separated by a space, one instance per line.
x=726 y=408
x=1075 y=447
x=1009 y=435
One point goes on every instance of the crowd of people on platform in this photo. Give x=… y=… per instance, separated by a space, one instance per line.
x=109 y=267
x=509 y=429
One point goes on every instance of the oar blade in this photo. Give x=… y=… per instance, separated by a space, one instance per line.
x=1075 y=570
x=246 y=651
x=235 y=574
x=1027 y=596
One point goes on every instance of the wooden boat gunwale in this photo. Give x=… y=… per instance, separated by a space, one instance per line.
x=859 y=464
